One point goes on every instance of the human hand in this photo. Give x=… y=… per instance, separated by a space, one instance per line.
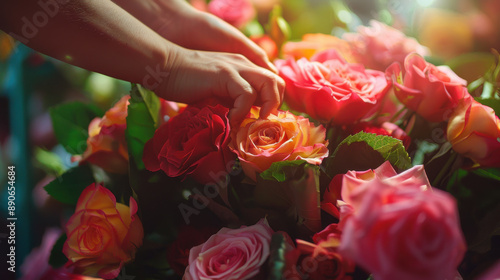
x=183 y=25
x=198 y=75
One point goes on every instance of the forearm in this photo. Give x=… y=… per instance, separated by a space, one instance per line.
x=93 y=34
x=171 y=19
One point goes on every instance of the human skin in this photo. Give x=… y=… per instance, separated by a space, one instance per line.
x=103 y=37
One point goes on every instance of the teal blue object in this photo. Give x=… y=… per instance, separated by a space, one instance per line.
x=16 y=87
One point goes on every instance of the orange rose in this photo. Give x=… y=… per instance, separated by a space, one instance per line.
x=474 y=131
x=312 y=44
x=282 y=136
x=106 y=145
x=102 y=235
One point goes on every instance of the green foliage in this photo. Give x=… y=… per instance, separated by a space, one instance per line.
x=281 y=170
x=69 y=186
x=50 y=162
x=364 y=151
x=295 y=200
x=477 y=194
x=57 y=257
x=277 y=257
x=142 y=120
x=71 y=122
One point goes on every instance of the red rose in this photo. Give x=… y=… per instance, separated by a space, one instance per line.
x=331 y=90
x=193 y=143
x=432 y=92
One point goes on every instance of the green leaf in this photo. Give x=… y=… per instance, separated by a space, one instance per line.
x=364 y=151
x=71 y=122
x=142 y=120
x=281 y=170
x=57 y=257
x=48 y=161
x=68 y=187
x=490 y=173
x=277 y=257
x=297 y=199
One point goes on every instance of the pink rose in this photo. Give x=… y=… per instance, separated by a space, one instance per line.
x=37 y=262
x=352 y=186
x=231 y=254
x=193 y=143
x=331 y=90
x=235 y=12
x=474 y=131
x=380 y=45
x=398 y=231
x=432 y=92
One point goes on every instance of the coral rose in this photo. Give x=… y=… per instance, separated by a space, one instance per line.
x=379 y=45
x=231 y=254
x=474 y=131
x=282 y=136
x=235 y=12
x=106 y=145
x=169 y=109
x=432 y=92
x=102 y=235
x=193 y=143
x=267 y=44
x=401 y=232
x=331 y=90
x=312 y=44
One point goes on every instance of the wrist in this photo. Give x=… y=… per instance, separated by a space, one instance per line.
x=158 y=76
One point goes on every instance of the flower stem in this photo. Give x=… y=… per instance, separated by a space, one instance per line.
x=443 y=172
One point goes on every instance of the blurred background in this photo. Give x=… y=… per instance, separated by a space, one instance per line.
x=459 y=33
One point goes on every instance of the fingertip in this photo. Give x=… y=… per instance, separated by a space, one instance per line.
x=266 y=111
x=235 y=117
x=272 y=67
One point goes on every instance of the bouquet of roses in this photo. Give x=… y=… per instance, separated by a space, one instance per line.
x=357 y=174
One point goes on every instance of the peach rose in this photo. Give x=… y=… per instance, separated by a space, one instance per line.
x=102 y=235
x=432 y=92
x=379 y=45
x=106 y=145
x=331 y=90
x=401 y=232
x=235 y=12
x=231 y=254
x=282 y=136
x=312 y=44
x=474 y=131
